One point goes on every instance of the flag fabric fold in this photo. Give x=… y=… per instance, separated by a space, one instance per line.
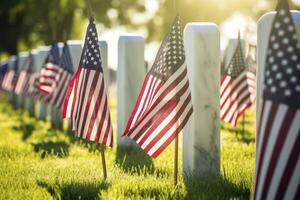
x=277 y=171
x=50 y=72
x=65 y=73
x=164 y=103
x=86 y=102
x=23 y=82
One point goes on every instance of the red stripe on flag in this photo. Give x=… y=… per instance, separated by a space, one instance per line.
x=136 y=106
x=170 y=139
x=69 y=91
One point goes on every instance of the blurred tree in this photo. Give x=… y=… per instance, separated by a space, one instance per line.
x=206 y=11
x=28 y=23
x=33 y=22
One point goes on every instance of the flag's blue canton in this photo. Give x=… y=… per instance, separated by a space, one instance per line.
x=53 y=56
x=171 y=53
x=66 y=61
x=3 y=69
x=237 y=64
x=282 y=73
x=91 y=57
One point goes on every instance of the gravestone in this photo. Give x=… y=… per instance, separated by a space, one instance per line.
x=22 y=59
x=130 y=75
x=29 y=101
x=41 y=109
x=104 y=58
x=201 y=136
x=11 y=95
x=263 y=33
x=75 y=47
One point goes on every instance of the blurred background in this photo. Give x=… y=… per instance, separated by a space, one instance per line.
x=27 y=24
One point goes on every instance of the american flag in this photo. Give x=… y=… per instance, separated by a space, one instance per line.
x=11 y=76
x=50 y=72
x=164 y=104
x=86 y=99
x=3 y=70
x=65 y=73
x=33 y=90
x=237 y=88
x=23 y=81
x=278 y=139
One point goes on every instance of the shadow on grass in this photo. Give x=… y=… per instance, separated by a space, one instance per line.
x=75 y=190
x=26 y=128
x=59 y=149
x=90 y=145
x=133 y=159
x=215 y=187
x=244 y=136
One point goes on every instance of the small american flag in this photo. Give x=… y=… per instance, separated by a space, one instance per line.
x=237 y=88
x=50 y=72
x=86 y=100
x=164 y=104
x=65 y=73
x=22 y=85
x=11 y=76
x=3 y=71
x=277 y=173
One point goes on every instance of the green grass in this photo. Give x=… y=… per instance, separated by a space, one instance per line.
x=39 y=163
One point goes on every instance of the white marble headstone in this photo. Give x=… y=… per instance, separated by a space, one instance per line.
x=75 y=47
x=40 y=108
x=130 y=75
x=201 y=136
x=22 y=58
x=104 y=58
x=11 y=64
x=29 y=101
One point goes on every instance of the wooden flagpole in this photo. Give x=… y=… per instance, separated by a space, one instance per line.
x=176 y=138
x=102 y=149
x=176 y=162
x=243 y=130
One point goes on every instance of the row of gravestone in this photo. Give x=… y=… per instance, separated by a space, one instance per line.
x=201 y=137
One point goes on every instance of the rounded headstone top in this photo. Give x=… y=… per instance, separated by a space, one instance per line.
x=74 y=43
x=34 y=52
x=11 y=61
x=23 y=54
x=131 y=37
x=60 y=44
x=102 y=42
x=201 y=27
x=269 y=16
x=12 y=58
x=43 y=49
